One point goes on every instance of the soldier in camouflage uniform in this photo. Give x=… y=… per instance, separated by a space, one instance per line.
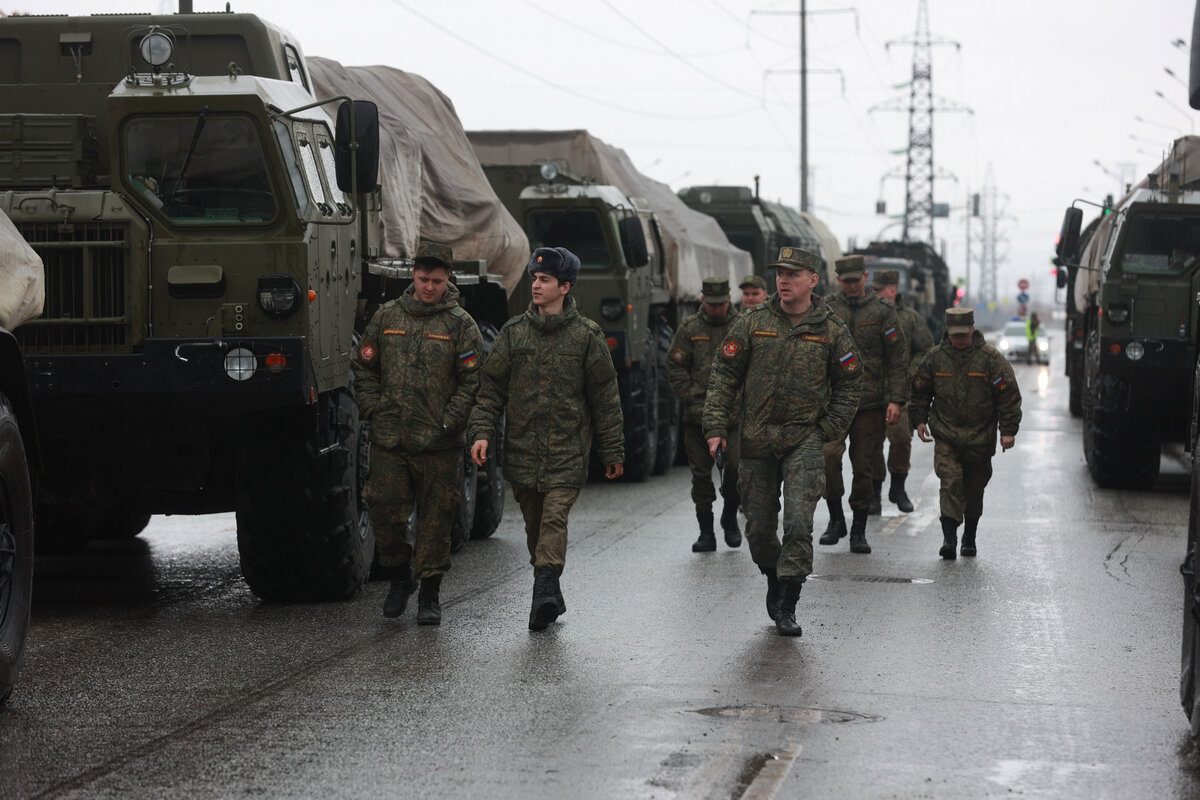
x=899 y=433
x=416 y=373
x=964 y=390
x=754 y=291
x=800 y=375
x=551 y=369
x=688 y=366
x=880 y=344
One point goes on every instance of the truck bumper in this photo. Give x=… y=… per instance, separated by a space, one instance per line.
x=1158 y=383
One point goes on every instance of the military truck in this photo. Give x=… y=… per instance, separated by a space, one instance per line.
x=213 y=242
x=927 y=287
x=1073 y=327
x=1140 y=274
x=643 y=253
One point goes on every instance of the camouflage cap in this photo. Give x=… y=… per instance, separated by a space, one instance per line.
x=434 y=254
x=851 y=267
x=960 y=320
x=753 y=280
x=885 y=277
x=795 y=258
x=715 y=290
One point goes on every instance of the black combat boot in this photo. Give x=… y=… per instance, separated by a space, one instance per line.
x=708 y=539
x=545 y=607
x=858 y=533
x=729 y=524
x=789 y=593
x=837 y=522
x=402 y=586
x=949 y=538
x=429 y=610
x=875 y=507
x=968 y=542
x=772 y=593
x=897 y=494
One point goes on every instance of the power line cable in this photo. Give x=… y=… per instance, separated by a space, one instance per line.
x=618 y=42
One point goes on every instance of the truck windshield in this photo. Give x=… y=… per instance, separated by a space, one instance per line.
x=200 y=168
x=579 y=230
x=1161 y=243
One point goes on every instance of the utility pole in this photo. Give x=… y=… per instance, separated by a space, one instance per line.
x=803 y=105
x=990 y=257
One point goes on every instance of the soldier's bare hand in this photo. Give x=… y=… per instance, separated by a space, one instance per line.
x=923 y=432
x=892 y=414
x=1007 y=442
x=479 y=452
x=713 y=443
x=614 y=471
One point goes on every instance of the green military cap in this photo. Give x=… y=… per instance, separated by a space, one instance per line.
x=753 y=280
x=886 y=277
x=715 y=290
x=851 y=267
x=434 y=254
x=795 y=258
x=960 y=320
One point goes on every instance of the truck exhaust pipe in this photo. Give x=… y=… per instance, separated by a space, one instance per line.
x=185 y=6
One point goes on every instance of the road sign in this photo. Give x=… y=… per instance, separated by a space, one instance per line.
x=1022 y=298
x=1022 y=285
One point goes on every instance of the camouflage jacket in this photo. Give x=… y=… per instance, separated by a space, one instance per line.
x=416 y=373
x=880 y=344
x=555 y=377
x=916 y=335
x=963 y=395
x=793 y=379
x=690 y=361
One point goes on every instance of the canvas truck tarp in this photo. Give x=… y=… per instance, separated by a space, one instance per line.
x=432 y=184
x=694 y=244
x=22 y=278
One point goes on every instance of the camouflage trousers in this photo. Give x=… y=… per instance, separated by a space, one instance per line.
x=802 y=473
x=701 y=463
x=400 y=482
x=963 y=482
x=545 y=516
x=866 y=459
x=899 y=438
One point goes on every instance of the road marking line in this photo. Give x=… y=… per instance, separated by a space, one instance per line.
x=770 y=778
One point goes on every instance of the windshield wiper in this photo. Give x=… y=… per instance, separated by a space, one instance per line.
x=187 y=159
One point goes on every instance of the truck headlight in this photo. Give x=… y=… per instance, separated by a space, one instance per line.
x=1134 y=351
x=278 y=295
x=240 y=364
x=156 y=48
x=1118 y=313
x=612 y=308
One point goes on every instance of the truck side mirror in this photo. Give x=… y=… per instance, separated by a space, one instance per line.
x=633 y=241
x=1060 y=272
x=1068 y=237
x=366 y=131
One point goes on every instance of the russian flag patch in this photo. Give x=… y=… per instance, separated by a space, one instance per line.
x=849 y=361
x=891 y=333
x=468 y=358
x=1000 y=383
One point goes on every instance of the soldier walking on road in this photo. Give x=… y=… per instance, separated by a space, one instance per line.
x=416 y=373
x=880 y=343
x=899 y=433
x=964 y=390
x=550 y=369
x=795 y=368
x=754 y=291
x=688 y=367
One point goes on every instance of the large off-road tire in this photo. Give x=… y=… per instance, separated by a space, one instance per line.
x=1189 y=673
x=16 y=549
x=1075 y=394
x=669 y=409
x=489 y=501
x=1123 y=446
x=464 y=517
x=303 y=530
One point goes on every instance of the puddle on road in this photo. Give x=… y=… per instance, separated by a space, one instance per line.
x=793 y=715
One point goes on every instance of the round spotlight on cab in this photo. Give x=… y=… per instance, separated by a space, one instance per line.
x=549 y=171
x=1134 y=351
x=240 y=364
x=157 y=48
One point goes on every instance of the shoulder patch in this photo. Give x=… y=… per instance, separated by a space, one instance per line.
x=366 y=352
x=731 y=348
x=918 y=382
x=891 y=333
x=678 y=355
x=468 y=359
x=1000 y=383
x=849 y=361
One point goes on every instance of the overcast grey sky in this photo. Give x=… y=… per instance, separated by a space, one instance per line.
x=706 y=91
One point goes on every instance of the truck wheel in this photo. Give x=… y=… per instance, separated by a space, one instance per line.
x=1190 y=661
x=641 y=441
x=16 y=548
x=1075 y=394
x=464 y=519
x=668 y=407
x=303 y=531
x=489 y=502
x=1123 y=448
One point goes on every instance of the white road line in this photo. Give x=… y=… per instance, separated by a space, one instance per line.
x=770 y=778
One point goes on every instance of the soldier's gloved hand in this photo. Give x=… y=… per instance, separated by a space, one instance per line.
x=923 y=432
x=1006 y=442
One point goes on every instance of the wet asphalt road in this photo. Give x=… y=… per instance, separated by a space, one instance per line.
x=1046 y=667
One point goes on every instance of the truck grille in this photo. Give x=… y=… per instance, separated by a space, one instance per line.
x=86 y=289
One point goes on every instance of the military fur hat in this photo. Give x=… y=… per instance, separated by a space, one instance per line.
x=715 y=290
x=434 y=254
x=557 y=261
x=795 y=258
x=851 y=267
x=753 y=280
x=885 y=277
x=960 y=320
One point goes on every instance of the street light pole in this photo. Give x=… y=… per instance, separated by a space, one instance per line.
x=803 y=105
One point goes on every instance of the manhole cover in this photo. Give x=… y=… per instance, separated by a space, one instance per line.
x=795 y=715
x=868 y=579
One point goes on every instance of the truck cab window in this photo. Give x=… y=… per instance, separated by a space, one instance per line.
x=329 y=167
x=1164 y=244
x=578 y=230
x=199 y=169
x=305 y=145
x=284 y=134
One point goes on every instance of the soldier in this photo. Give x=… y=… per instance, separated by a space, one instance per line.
x=880 y=343
x=899 y=433
x=688 y=368
x=754 y=291
x=415 y=377
x=796 y=366
x=962 y=392
x=551 y=369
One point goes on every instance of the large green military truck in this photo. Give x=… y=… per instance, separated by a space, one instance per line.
x=1073 y=328
x=643 y=255
x=1135 y=290
x=212 y=243
x=927 y=286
